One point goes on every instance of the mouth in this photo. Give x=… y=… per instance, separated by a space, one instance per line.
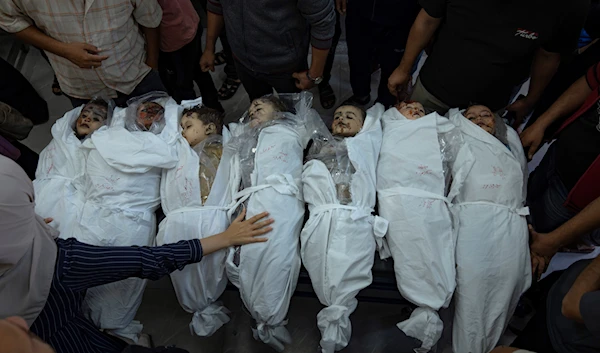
x=84 y=125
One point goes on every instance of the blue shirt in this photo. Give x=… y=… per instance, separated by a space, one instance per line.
x=79 y=267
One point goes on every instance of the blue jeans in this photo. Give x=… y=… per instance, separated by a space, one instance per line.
x=148 y=84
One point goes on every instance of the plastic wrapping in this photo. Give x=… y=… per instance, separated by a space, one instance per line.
x=267 y=162
x=97 y=108
x=450 y=144
x=333 y=152
x=147 y=112
x=209 y=151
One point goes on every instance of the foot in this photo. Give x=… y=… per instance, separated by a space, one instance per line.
x=220 y=58
x=56 y=87
x=326 y=95
x=355 y=100
x=228 y=89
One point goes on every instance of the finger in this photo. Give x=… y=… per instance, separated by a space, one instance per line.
x=343 y=6
x=90 y=48
x=296 y=76
x=533 y=148
x=258 y=217
x=212 y=67
x=393 y=90
x=257 y=240
x=241 y=216
x=48 y=220
x=263 y=223
x=261 y=231
x=93 y=57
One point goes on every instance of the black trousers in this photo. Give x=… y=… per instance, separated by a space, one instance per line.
x=331 y=56
x=258 y=84
x=365 y=37
x=17 y=92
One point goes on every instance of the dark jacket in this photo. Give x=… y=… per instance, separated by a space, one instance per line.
x=272 y=36
x=587 y=188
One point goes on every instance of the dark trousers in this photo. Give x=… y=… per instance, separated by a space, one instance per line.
x=365 y=37
x=535 y=336
x=258 y=84
x=331 y=56
x=148 y=84
x=230 y=69
x=179 y=70
x=17 y=92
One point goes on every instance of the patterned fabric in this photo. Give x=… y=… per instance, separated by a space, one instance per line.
x=79 y=267
x=111 y=25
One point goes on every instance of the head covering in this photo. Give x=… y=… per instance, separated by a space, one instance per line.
x=27 y=247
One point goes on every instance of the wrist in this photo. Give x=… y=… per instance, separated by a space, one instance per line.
x=315 y=73
x=210 y=45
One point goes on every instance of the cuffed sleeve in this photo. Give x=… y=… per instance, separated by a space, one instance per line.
x=81 y=266
x=147 y=13
x=593 y=76
x=434 y=8
x=321 y=16
x=214 y=6
x=12 y=19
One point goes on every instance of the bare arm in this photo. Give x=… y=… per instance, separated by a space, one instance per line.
x=214 y=26
x=152 y=46
x=566 y=104
x=81 y=54
x=588 y=281
x=420 y=35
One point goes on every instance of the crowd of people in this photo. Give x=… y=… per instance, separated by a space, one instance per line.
x=143 y=178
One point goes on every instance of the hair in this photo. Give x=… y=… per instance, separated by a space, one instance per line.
x=207 y=116
x=363 y=112
x=500 y=126
x=278 y=104
x=98 y=101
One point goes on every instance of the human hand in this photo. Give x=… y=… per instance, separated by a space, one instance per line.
x=242 y=232
x=340 y=5
x=543 y=244
x=207 y=61
x=539 y=264
x=84 y=55
x=398 y=82
x=521 y=108
x=531 y=139
x=48 y=220
x=302 y=80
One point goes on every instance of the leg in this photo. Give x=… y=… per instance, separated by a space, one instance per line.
x=255 y=87
x=283 y=83
x=429 y=101
x=390 y=48
x=360 y=48
x=326 y=94
x=184 y=61
x=150 y=83
x=167 y=72
x=232 y=81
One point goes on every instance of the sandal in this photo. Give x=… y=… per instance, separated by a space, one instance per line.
x=220 y=58
x=327 y=96
x=228 y=89
x=56 y=87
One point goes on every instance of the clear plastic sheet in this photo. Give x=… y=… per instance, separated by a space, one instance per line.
x=333 y=152
x=147 y=112
x=98 y=106
x=210 y=151
x=298 y=115
x=450 y=144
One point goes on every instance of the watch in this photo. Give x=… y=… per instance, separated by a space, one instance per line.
x=316 y=80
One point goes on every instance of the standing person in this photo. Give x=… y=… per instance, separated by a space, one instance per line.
x=484 y=49
x=566 y=180
x=269 y=40
x=180 y=51
x=96 y=48
x=44 y=280
x=379 y=27
x=326 y=94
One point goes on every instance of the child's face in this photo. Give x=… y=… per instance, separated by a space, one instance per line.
x=412 y=111
x=482 y=116
x=261 y=111
x=148 y=113
x=347 y=121
x=91 y=118
x=194 y=130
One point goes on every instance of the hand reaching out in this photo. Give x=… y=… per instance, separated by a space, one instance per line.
x=242 y=232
